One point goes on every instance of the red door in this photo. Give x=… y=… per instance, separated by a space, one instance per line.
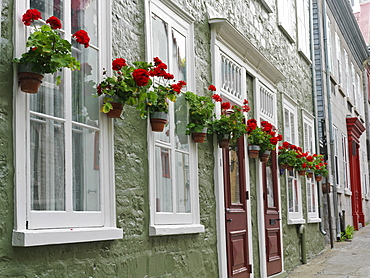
x=272 y=216
x=235 y=211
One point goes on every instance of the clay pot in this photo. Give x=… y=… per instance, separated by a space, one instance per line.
x=224 y=143
x=158 y=120
x=116 y=111
x=28 y=80
x=318 y=177
x=283 y=166
x=301 y=172
x=290 y=168
x=264 y=157
x=253 y=151
x=309 y=175
x=198 y=137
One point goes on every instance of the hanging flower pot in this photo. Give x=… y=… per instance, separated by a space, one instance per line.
x=264 y=156
x=28 y=80
x=290 y=168
x=158 y=120
x=301 y=172
x=318 y=177
x=116 y=111
x=224 y=141
x=253 y=151
x=309 y=174
x=198 y=137
x=283 y=166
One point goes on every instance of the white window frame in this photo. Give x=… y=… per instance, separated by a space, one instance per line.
x=365 y=177
x=330 y=43
x=293 y=128
x=173 y=223
x=86 y=230
x=311 y=185
x=303 y=28
x=286 y=20
x=339 y=58
x=336 y=157
x=346 y=179
x=346 y=71
x=296 y=216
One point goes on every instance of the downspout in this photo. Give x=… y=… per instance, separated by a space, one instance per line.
x=302 y=232
x=314 y=100
x=331 y=135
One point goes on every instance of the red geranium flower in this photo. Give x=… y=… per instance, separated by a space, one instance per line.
x=280 y=137
x=246 y=108
x=245 y=101
x=82 y=37
x=157 y=61
x=217 y=98
x=286 y=144
x=310 y=158
x=226 y=105
x=118 y=63
x=304 y=165
x=54 y=22
x=141 y=77
x=274 y=140
x=31 y=15
x=212 y=88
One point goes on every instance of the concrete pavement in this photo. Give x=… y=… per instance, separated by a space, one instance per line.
x=345 y=260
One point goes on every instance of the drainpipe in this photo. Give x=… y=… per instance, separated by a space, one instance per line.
x=302 y=232
x=331 y=135
x=314 y=100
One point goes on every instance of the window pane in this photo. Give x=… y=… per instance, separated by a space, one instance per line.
x=270 y=187
x=183 y=183
x=181 y=116
x=290 y=194
x=85 y=164
x=292 y=128
x=85 y=107
x=84 y=16
x=160 y=39
x=49 y=8
x=309 y=196
x=287 y=126
x=163 y=180
x=178 y=56
x=47 y=164
x=50 y=98
x=234 y=177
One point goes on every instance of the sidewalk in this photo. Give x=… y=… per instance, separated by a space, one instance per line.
x=345 y=260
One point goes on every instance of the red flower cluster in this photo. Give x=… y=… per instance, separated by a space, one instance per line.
x=82 y=37
x=31 y=15
x=246 y=107
x=177 y=87
x=225 y=105
x=141 y=77
x=217 y=98
x=267 y=127
x=251 y=125
x=118 y=64
x=160 y=70
x=212 y=88
x=54 y=22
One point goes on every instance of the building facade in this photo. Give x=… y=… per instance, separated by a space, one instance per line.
x=84 y=195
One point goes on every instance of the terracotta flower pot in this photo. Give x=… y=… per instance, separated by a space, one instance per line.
x=224 y=143
x=198 y=137
x=290 y=168
x=318 y=177
x=309 y=175
x=116 y=111
x=253 y=151
x=283 y=166
x=29 y=81
x=264 y=157
x=158 y=120
x=301 y=172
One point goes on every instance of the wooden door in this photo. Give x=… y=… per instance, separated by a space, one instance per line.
x=236 y=211
x=272 y=215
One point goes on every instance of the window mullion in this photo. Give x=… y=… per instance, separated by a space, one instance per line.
x=68 y=116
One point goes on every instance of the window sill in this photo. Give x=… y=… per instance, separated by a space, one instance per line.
x=62 y=236
x=313 y=220
x=162 y=230
x=347 y=192
x=296 y=221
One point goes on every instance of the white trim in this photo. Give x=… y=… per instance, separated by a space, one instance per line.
x=160 y=230
x=27 y=238
x=296 y=221
x=314 y=220
x=103 y=225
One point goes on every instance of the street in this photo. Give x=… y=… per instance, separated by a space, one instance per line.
x=345 y=260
